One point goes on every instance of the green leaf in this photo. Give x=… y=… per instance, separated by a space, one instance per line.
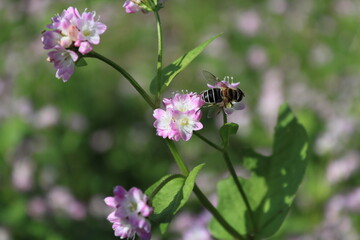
x=227 y=130
x=272 y=185
x=172 y=197
x=170 y=71
x=81 y=62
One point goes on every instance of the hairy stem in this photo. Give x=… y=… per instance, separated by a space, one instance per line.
x=217 y=147
x=160 y=53
x=202 y=198
x=229 y=165
x=181 y=164
x=240 y=188
x=207 y=204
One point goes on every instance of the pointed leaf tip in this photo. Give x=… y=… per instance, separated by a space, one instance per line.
x=170 y=71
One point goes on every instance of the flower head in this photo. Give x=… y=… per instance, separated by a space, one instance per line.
x=89 y=32
x=133 y=6
x=72 y=31
x=180 y=118
x=130 y=211
x=225 y=84
x=185 y=123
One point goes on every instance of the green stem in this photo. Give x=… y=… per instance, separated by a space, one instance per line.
x=122 y=71
x=181 y=164
x=240 y=188
x=220 y=149
x=202 y=198
x=224 y=117
x=207 y=204
x=160 y=52
x=233 y=174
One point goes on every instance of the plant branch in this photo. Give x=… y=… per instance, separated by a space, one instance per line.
x=217 y=147
x=208 y=205
x=240 y=188
x=202 y=198
x=160 y=52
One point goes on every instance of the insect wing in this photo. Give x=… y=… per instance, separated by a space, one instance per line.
x=238 y=105
x=229 y=111
x=234 y=106
x=213 y=111
x=211 y=78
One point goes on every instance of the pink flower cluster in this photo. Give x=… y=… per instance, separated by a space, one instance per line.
x=224 y=84
x=133 y=6
x=131 y=210
x=180 y=118
x=71 y=34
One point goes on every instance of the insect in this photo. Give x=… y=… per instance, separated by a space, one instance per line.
x=222 y=95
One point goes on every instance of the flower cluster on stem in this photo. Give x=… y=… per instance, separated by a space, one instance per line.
x=180 y=118
x=71 y=35
x=131 y=210
x=133 y=6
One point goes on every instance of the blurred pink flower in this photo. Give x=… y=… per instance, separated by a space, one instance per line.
x=131 y=6
x=341 y=203
x=196 y=233
x=338 y=129
x=101 y=140
x=352 y=202
x=277 y=6
x=22 y=174
x=343 y=168
x=4 y=232
x=46 y=117
x=61 y=199
x=37 y=207
x=77 y=122
x=271 y=97
x=192 y=227
x=256 y=57
x=130 y=212
x=345 y=7
x=97 y=207
x=248 y=22
x=320 y=55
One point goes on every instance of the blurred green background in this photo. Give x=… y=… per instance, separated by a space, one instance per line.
x=64 y=146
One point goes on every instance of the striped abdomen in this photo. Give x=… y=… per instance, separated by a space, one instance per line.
x=212 y=95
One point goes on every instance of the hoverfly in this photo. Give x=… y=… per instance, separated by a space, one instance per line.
x=222 y=95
